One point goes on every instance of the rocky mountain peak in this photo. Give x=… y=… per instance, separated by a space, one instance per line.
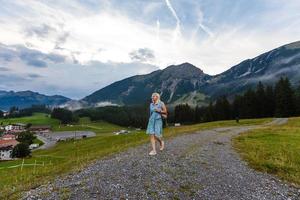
x=184 y=70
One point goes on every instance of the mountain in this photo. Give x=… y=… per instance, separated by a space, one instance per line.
x=27 y=98
x=174 y=83
x=267 y=68
x=186 y=83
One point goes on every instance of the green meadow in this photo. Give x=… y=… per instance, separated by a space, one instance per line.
x=273 y=149
x=36 y=119
x=72 y=156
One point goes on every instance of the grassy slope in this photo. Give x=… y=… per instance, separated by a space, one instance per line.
x=71 y=156
x=36 y=119
x=274 y=149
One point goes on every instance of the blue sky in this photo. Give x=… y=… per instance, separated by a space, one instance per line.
x=73 y=48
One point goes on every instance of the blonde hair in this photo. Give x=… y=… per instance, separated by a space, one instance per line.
x=156 y=94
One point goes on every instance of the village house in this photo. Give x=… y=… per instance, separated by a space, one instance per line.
x=5 y=113
x=15 y=128
x=40 y=129
x=6 y=148
x=8 y=137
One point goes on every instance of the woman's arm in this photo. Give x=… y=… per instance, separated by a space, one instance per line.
x=164 y=109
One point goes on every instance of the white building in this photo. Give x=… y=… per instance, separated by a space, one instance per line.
x=18 y=127
x=6 y=148
x=33 y=146
x=5 y=113
x=5 y=153
x=177 y=124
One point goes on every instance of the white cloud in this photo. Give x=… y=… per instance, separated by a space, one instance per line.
x=104 y=34
x=177 y=30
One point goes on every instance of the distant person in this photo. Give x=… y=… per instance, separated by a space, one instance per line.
x=237 y=119
x=155 y=123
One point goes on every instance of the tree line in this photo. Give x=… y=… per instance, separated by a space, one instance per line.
x=134 y=116
x=14 y=111
x=282 y=100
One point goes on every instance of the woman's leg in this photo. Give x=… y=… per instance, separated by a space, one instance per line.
x=158 y=139
x=152 y=139
x=161 y=142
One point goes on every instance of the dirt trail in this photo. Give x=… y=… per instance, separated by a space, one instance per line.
x=195 y=166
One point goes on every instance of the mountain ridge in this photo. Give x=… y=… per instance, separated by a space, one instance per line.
x=26 y=98
x=188 y=83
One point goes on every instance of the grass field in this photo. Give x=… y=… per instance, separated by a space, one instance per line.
x=71 y=156
x=35 y=119
x=273 y=149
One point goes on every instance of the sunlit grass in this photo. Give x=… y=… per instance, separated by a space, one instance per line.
x=35 y=119
x=273 y=149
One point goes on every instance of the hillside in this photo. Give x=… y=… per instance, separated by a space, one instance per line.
x=27 y=98
x=267 y=68
x=173 y=83
x=186 y=83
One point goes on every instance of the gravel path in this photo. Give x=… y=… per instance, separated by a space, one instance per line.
x=194 y=166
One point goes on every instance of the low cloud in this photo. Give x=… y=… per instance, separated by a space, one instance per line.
x=6 y=54
x=30 y=57
x=36 y=63
x=39 y=31
x=33 y=76
x=61 y=40
x=4 y=69
x=142 y=55
x=9 y=81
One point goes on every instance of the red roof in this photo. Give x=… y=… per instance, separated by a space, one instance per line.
x=4 y=143
x=8 y=136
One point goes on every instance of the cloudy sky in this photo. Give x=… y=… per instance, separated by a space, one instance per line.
x=75 y=47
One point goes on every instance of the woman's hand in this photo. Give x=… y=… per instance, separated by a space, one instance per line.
x=157 y=110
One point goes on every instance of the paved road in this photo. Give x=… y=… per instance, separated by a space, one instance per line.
x=51 y=138
x=196 y=166
x=48 y=142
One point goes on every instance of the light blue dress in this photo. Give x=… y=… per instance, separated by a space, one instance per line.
x=155 y=124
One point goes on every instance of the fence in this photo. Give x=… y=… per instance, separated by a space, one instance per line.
x=35 y=164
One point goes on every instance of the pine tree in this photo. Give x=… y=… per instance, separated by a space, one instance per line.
x=248 y=108
x=222 y=109
x=198 y=114
x=260 y=100
x=270 y=102
x=297 y=100
x=284 y=98
x=236 y=106
x=209 y=113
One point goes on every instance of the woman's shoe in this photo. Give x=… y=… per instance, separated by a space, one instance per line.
x=152 y=153
x=162 y=145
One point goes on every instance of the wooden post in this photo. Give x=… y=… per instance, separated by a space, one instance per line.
x=22 y=165
x=34 y=166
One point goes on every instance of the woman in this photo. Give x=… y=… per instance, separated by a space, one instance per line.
x=155 y=124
